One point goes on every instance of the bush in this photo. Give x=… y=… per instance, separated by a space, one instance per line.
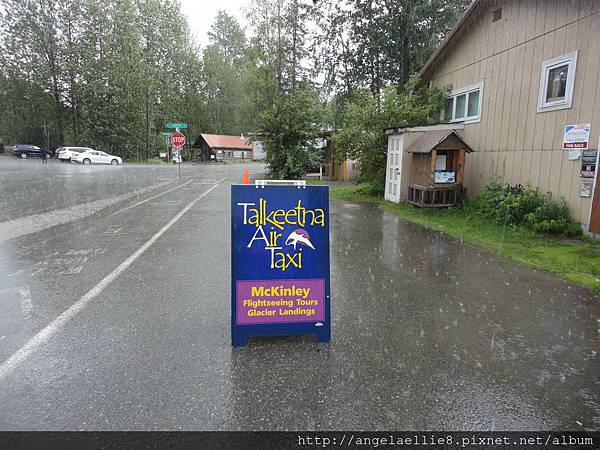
x=372 y=186
x=289 y=130
x=365 y=115
x=372 y=182
x=523 y=205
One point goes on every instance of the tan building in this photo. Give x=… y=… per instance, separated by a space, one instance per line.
x=520 y=71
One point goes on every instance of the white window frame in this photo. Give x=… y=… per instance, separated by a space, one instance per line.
x=465 y=90
x=571 y=60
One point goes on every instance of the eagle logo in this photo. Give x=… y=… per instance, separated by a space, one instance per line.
x=299 y=236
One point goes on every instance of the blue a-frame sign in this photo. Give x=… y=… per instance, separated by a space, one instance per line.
x=279 y=261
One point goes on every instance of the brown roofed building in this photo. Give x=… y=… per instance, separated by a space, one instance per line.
x=525 y=98
x=219 y=147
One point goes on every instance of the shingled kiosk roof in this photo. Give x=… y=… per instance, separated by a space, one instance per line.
x=440 y=140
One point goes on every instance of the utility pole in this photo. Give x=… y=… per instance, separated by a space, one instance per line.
x=179 y=157
x=47 y=133
x=147 y=58
x=147 y=124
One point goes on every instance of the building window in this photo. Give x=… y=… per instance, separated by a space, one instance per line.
x=464 y=105
x=448 y=109
x=556 y=83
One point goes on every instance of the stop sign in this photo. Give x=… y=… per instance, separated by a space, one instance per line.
x=178 y=139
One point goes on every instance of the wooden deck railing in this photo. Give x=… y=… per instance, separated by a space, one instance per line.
x=435 y=197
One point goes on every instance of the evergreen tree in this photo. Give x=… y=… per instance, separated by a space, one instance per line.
x=111 y=73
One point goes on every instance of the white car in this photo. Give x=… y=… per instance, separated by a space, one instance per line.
x=66 y=153
x=95 y=157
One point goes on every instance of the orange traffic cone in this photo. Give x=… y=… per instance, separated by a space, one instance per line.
x=246 y=178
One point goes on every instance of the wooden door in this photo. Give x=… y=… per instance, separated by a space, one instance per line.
x=594 y=226
x=595 y=215
x=393 y=168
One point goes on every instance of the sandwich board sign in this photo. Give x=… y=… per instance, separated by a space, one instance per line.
x=279 y=261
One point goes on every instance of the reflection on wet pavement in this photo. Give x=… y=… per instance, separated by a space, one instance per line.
x=429 y=333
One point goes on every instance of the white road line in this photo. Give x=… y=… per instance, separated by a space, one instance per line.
x=26 y=305
x=41 y=221
x=151 y=198
x=51 y=329
x=25 y=294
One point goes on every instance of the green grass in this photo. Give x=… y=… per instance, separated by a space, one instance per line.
x=240 y=161
x=577 y=260
x=145 y=161
x=315 y=181
x=154 y=162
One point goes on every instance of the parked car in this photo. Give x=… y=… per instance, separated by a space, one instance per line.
x=66 y=153
x=24 y=151
x=95 y=157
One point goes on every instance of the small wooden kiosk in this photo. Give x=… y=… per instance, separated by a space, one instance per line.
x=437 y=169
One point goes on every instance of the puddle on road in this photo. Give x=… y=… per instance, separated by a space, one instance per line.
x=429 y=332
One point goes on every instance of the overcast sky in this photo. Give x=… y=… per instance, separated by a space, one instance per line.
x=201 y=14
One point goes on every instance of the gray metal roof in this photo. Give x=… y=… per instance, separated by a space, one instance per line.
x=442 y=140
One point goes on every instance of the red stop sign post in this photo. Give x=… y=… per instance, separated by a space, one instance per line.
x=178 y=140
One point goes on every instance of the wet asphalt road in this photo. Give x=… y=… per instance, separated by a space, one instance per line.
x=428 y=332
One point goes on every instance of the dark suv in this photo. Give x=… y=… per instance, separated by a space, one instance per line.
x=23 y=151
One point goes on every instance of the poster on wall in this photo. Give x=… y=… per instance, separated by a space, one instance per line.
x=574 y=155
x=588 y=163
x=445 y=177
x=576 y=136
x=280 y=261
x=585 y=187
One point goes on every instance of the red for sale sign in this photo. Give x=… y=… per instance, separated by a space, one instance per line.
x=576 y=136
